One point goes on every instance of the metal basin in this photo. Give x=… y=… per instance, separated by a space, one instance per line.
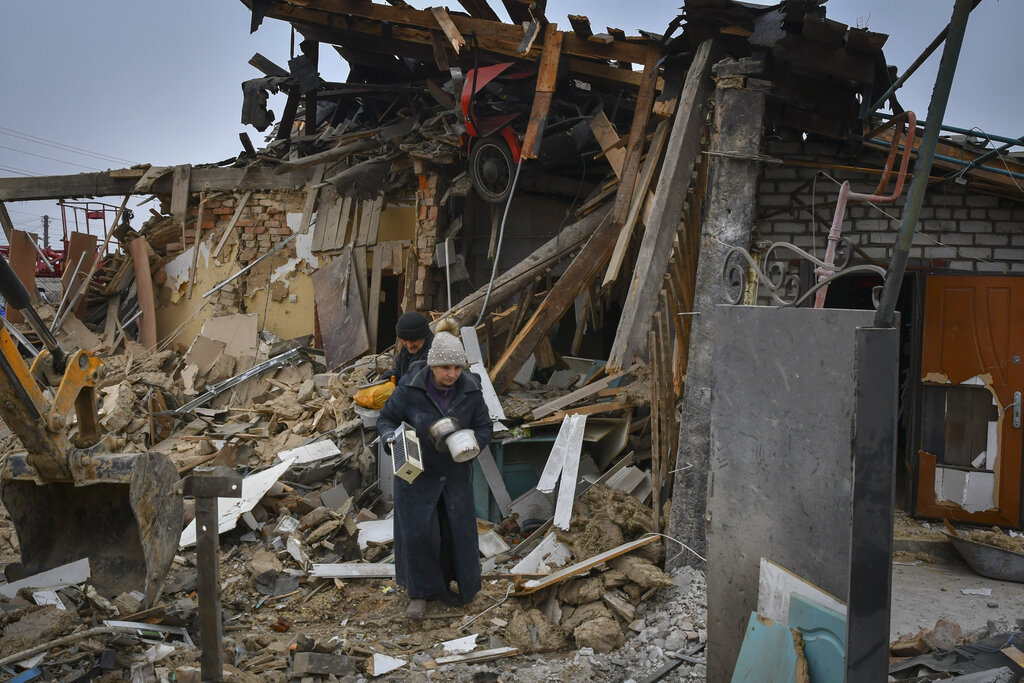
x=441 y=429
x=990 y=561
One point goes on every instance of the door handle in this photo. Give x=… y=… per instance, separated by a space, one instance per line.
x=1016 y=410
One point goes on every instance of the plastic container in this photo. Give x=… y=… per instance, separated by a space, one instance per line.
x=463 y=445
x=369 y=416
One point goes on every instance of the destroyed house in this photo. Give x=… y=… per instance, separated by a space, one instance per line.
x=583 y=203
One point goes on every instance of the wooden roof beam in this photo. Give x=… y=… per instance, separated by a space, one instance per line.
x=333 y=13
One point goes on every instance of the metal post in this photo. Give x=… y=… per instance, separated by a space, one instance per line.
x=207 y=484
x=884 y=316
x=46 y=232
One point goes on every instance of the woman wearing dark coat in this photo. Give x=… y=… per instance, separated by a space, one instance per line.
x=414 y=338
x=435 y=516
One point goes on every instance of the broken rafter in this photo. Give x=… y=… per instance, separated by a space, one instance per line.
x=479 y=9
x=546 y=79
x=592 y=258
x=491 y=34
x=656 y=246
x=447 y=26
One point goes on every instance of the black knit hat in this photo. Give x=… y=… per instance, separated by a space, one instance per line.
x=412 y=326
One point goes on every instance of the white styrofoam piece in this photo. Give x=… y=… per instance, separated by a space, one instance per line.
x=570 y=435
x=376 y=530
x=977 y=462
x=64 y=575
x=491 y=543
x=976 y=591
x=776 y=585
x=311 y=452
x=383 y=664
x=460 y=646
x=48 y=596
x=494 y=408
x=549 y=553
x=229 y=510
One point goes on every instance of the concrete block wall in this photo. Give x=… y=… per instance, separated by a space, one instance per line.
x=959 y=229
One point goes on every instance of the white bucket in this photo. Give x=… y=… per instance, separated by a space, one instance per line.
x=462 y=445
x=369 y=416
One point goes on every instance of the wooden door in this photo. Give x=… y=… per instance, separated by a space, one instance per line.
x=972 y=373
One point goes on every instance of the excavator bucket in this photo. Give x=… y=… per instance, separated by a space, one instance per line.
x=126 y=518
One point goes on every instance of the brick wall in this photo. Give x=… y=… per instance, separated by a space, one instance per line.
x=430 y=219
x=958 y=229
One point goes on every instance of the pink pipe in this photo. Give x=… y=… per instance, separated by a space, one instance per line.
x=846 y=195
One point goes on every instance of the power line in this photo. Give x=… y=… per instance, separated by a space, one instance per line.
x=62 y=146
x=19 y=171
x=43 y=156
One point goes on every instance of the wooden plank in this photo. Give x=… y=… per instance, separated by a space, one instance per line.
x=569 y=439
x=195 y=247
x=5 y=222
x=373 y=303
x=655 y=365
x=477 y=657
x=581 y=25
x=447 y=26
x=655 y=248
x=359 y=263
x=230 y=229
x=479 y=9
x=79 y=244
x=344 y=220
x=374 y=226
x=535 y=585
x=606 y=136
x=591 y=409
x=570 y=474
x=312 y=193
x=179 y=197
x=139 y=250
x=110 y=324
x=640 y=194
x=268 y=67
x=340 y=311
x=320 y=229
x=336 y=225
x=547 y=76
x=365 y=210
x=495 y=481
x=578 y=395
x=22 y=257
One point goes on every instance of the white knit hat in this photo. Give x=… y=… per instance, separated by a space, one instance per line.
x=446 y=349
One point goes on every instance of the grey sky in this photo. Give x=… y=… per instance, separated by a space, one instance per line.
x=159 y=82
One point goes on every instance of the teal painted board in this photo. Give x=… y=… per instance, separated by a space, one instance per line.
x=768 y=653
x=824 y=634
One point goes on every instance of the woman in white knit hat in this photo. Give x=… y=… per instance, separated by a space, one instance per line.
x=435 y=517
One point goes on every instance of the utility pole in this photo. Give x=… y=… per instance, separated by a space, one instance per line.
x=46 y=232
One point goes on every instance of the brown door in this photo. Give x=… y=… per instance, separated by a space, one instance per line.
x=972 y=372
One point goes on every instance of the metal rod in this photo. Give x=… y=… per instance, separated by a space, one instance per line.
x=885 y=314
x=20 y=338
x=977 y=132
x=917 y=63
x=251 y=265
x=949 y=159
x=66 y=294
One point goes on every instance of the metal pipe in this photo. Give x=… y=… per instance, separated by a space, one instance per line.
x=953 y=160
x=885 y=314
x=917 y=63
x=977 y=132
x=847 y=195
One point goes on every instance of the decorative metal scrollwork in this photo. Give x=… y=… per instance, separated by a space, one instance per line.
x=782 y=285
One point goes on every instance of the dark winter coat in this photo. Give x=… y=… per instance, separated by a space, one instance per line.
x=405 y=359
x=435 y=516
